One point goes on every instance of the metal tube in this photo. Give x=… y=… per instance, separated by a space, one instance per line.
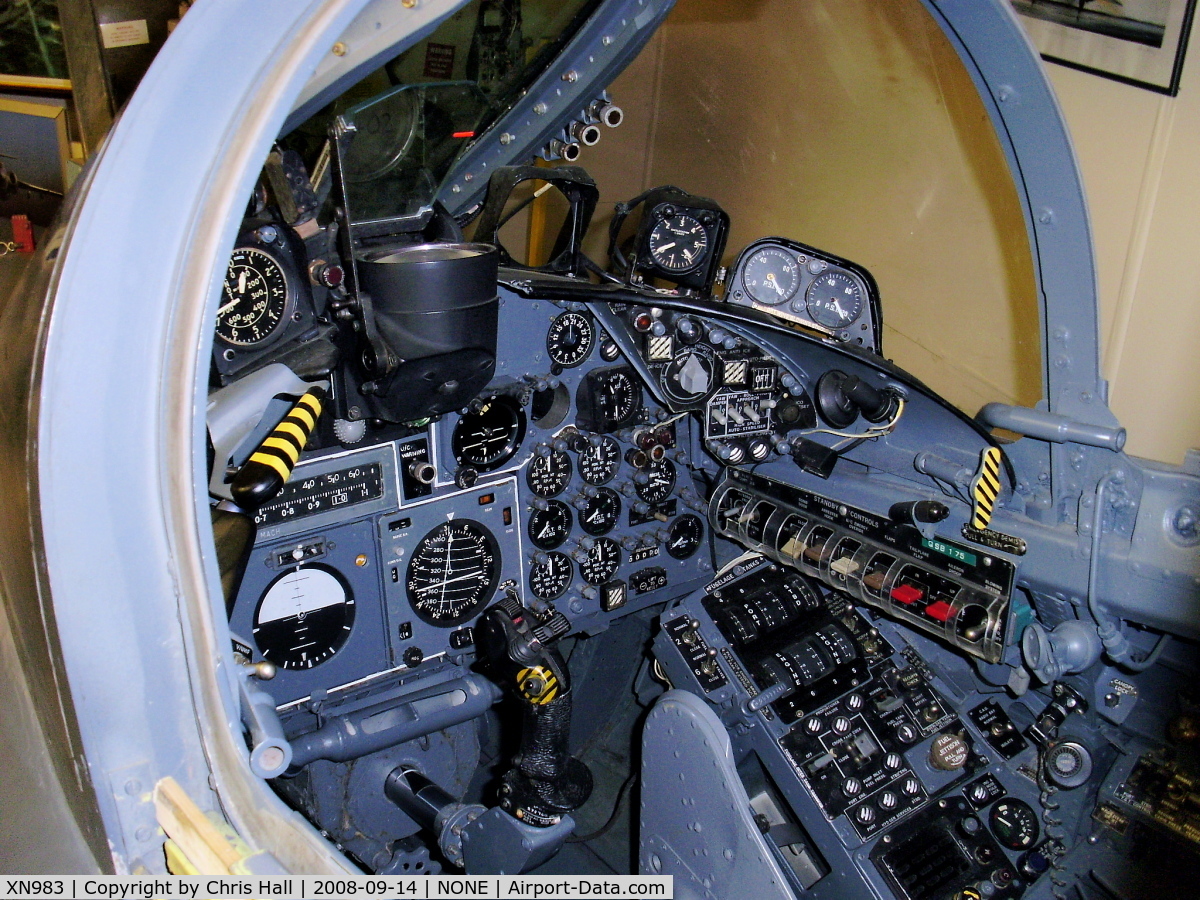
x=1046 y=426
x=420 y=798
x=366 y=731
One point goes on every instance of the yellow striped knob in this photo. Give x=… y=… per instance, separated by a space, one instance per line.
x=269 y=467
x=985 y=488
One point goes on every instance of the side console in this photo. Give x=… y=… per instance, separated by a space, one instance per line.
x=946 y=589
x=872 y=759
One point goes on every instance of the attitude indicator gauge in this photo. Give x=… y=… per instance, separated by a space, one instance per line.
x=771 y=276
x=304 y=617
x=255 y=300
x=453 y=572
x=570 y=339
x=490 y=436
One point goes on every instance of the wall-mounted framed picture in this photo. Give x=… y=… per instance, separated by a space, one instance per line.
x=1138 y=42
x=31 y=47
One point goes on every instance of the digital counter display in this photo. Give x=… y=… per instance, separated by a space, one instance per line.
x=321 y=493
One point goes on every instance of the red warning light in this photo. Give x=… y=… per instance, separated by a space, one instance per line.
x=463 y=134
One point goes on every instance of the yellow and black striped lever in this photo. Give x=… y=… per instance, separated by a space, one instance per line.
x=985 y=488
x=267 y=470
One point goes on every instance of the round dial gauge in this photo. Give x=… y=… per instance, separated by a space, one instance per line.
x=834 y=300
x=771 y=276
x=617 y=399
x=547 y=476
x=678 y=243
x=304 y=617
x=549 y=527
x=601 y=513
x=684 y=536
x=255 y=300
x=1014 y=823
x=599 y=461
x=602 y=561
x=570 y=339
x=453 y=572
x=489 y=437
x=690 y=376
x=659 y=483
x=551 y=578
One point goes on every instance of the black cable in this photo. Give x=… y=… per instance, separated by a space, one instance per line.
x=612 y=818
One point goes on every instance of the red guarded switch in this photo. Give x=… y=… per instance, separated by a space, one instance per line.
x=907 y=593
x=940 y=610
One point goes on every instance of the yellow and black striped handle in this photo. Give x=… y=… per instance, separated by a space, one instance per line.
x=269 y=467
x=985 y=488
x=537 y=684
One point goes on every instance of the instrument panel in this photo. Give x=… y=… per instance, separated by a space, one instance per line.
x=564 y=483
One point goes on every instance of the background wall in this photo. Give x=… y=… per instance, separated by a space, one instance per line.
x=849 y=125
x=1139 y=155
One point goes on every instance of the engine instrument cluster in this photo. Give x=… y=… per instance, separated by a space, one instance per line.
x=804 y=285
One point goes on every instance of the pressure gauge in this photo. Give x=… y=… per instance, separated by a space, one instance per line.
x=771 y=276
x=834 y=300
x=1014 y=823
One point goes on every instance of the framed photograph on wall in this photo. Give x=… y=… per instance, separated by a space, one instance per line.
x=1138 y=42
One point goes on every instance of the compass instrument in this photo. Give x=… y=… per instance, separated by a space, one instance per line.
x=490 y=436
x=304 y=617
x=453 y=572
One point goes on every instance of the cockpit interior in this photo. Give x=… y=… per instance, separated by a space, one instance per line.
x=555 y=538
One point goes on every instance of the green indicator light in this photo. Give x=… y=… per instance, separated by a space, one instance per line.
x=948 y=550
